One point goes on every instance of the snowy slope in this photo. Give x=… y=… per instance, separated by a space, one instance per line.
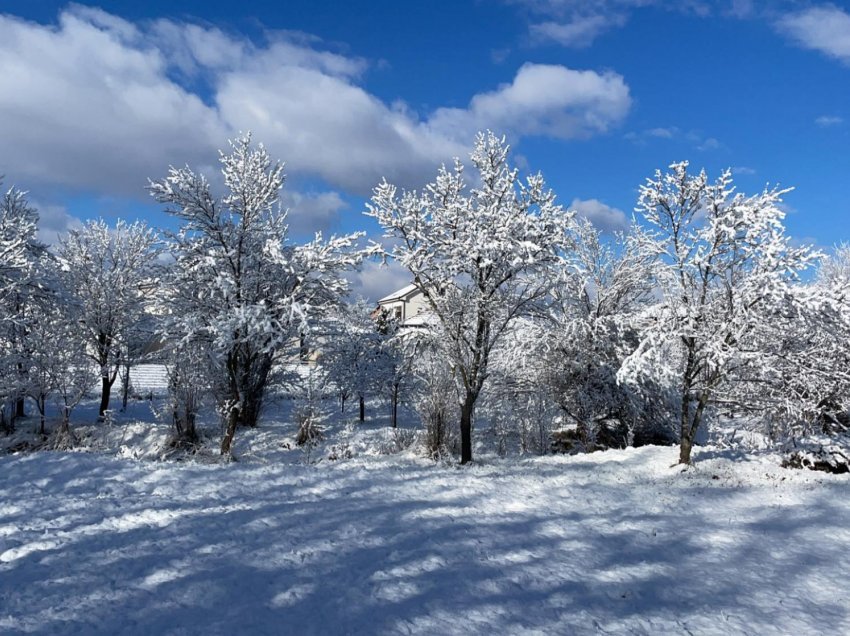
x=616 y=542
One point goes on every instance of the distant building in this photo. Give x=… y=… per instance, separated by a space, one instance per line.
x=407 y=305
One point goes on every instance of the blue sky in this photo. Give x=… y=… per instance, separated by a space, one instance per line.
x=94 y=100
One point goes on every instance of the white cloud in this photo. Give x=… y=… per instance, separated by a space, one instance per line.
x=543 y=99
x=81 y=106
x=742 y=8
x=825 y=121
x=674 y=133
x=577 y=32
x=375 y=280
x=823 y=28
x=329 y=127
x=54 y=221
x=313 y=212
x=710 y=143
x=604 y=217
x=577 y=23
x=100 y=104
x=663 y=133
x=743 y=170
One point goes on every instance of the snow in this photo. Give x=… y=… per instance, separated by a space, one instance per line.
x=615 y=542
x=401 y=293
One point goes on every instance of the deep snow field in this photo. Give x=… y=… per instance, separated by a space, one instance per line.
x=113 y=541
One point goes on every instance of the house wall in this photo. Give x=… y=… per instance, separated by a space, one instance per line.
x=394 y=307
x=413 y=305
x=416 y=305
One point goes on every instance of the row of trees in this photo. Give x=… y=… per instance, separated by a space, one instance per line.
x=700 y=306
x=69 y=315
x=534 y=319
x=219 y=299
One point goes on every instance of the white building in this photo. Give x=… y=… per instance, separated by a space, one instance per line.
x=408 y=305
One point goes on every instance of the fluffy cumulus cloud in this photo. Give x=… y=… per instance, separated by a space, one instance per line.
x=98 y=103
x=87 y=104
x=604 y=217
x=546 y=100
x=823 y=28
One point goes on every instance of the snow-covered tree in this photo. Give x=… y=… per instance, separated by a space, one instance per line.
x=18 y=226
x=435 y=398
x=590 y=330
x=806 y=386
x=188 y=388
x=238 y=286
x=517 y=400
x=56 y=363
x=396 y=358
x=21 y=259
x=351 y=354
x=74 y=377
x=724 y=263
x=480 y=255
x=108 y=274
x=43 y=362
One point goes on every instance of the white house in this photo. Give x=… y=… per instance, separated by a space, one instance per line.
x=408 y=305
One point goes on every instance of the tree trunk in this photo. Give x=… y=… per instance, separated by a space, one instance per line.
x=105 y=390
x=466 y=428
x=362 y=403
x=6 y=425
x=65 y=423
x=230 y=430
x=394 y=414
x=251 y=376
x=342 y=403
x=41 y=409
x=19 y=408
x=690 y=425
x=685 y=446
x=686 y=440
x=251 y=414
x=125 y=388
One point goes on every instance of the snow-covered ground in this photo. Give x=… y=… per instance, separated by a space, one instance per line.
x=617 y=542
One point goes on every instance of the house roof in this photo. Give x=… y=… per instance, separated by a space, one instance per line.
x=402 y=293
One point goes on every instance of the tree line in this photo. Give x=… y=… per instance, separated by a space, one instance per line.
x=537 y=325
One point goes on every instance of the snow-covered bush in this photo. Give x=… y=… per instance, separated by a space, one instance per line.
x=590 y=328
x=188 y=388
x=820 y=452
x=398 y=440
x=435 y=401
